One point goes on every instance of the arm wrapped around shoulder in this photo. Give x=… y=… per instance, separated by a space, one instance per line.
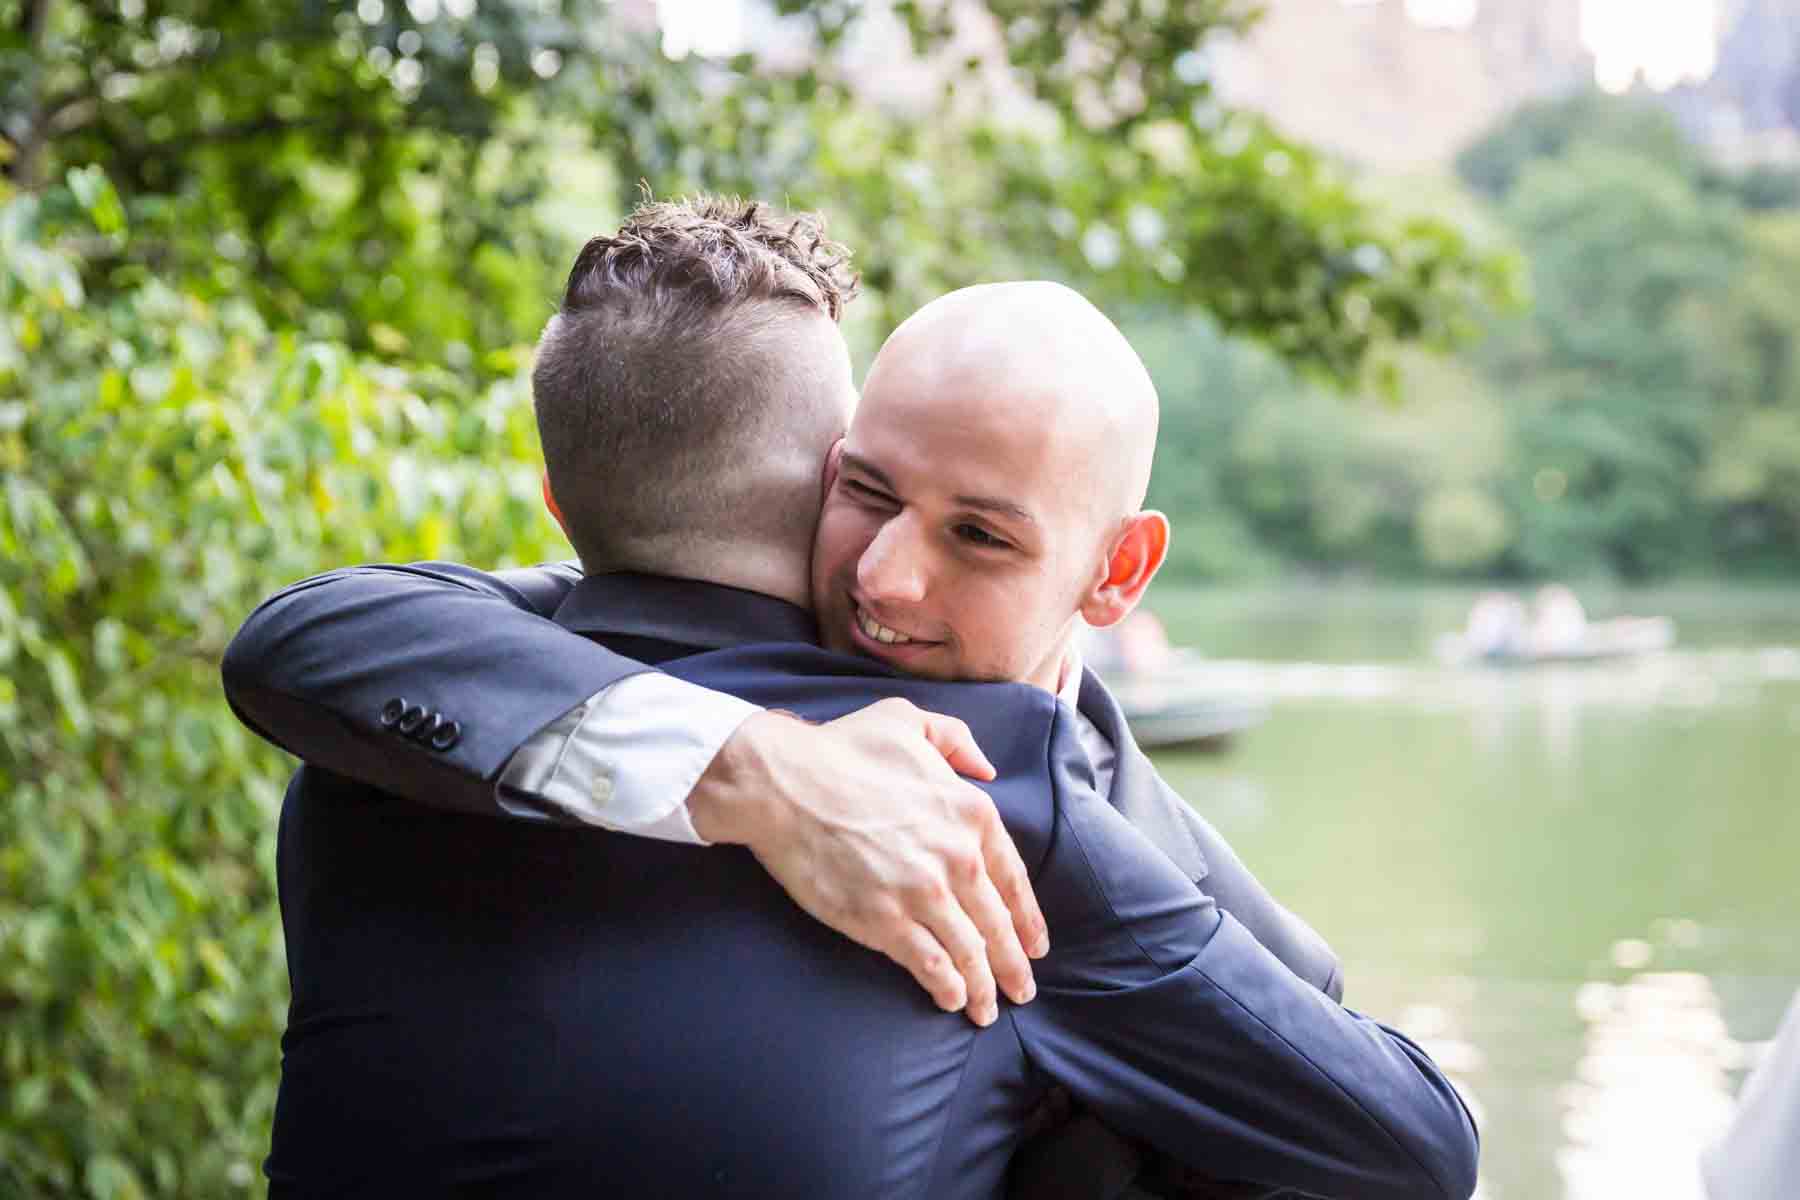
x=1166 y=1017
x=421 y=680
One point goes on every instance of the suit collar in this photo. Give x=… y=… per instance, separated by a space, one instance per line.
x=1138 y=792
x=687 y=612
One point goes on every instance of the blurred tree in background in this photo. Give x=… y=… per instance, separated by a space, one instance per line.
x=1640 y=420
x=270 y=273
x=386 y=172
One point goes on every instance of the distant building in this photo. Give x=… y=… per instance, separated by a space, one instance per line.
x=1374 y=82
x=1749 y=110
x=1393 y=84
x=1405 y=84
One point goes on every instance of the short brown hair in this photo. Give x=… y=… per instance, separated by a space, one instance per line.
x=665 y=363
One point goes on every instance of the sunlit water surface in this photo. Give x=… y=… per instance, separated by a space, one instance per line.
x=1576 y=885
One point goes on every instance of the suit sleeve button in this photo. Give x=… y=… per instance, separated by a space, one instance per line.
x=392 y=711
x=446 y=735
x=410 y=719
x=427 y=727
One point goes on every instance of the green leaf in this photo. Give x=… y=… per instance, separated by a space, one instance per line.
x=95 y=193
x=67 y=689
x=110 y=1178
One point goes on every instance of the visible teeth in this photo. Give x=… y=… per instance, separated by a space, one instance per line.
x=880 y=632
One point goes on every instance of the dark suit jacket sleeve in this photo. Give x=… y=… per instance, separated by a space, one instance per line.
x=1240 y=893
x=1171 y=1022
x=313 y=667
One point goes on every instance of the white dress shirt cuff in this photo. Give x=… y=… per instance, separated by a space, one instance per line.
x=626 y=758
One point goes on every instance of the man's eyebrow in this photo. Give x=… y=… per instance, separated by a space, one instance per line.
x=1007 y=508
x=854 y=460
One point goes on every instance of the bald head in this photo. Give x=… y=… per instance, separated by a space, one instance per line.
x=1037 y=354
x=986 y=499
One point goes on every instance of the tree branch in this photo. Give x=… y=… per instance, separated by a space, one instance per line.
x=34 y=20
x=32 y=23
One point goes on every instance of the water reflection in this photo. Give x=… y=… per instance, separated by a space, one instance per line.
x=1555 y=697
x=1521 y=867
x=1438 y=1030
x=1698 y=679
x=1652 y=1089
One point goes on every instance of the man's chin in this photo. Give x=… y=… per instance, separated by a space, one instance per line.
x=921 y=666
x=922 y=659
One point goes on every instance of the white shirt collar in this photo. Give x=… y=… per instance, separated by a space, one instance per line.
x=1070 y=692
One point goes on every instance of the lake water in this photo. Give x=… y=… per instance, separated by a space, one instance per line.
x=1579 y=886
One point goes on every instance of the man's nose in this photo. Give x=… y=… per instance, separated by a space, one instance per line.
x=892 y=568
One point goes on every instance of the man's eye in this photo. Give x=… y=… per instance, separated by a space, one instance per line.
x=975 y=535
x=867 y=494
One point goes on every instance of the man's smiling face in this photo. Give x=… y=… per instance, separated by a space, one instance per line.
x=960 y=531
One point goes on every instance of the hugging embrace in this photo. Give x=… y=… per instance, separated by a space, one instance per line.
x=609 y=881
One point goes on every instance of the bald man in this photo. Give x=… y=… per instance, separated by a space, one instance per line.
x=983 y=502
x=988 y=497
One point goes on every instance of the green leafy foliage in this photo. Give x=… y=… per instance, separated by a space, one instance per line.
x=1639 y=420
x=1552 y=129
x=167 y=460
x=1663 y=334
x=378 y=172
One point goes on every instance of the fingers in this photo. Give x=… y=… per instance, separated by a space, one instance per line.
x=977 y=888
x=951 y=738
x=1006 y=956
x=919 y=952
x=911 y=862
x=959 y=937
x=1006 y=871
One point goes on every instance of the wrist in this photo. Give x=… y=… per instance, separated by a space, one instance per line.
x=735 y=799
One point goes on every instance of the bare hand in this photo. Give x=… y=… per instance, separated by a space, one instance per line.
x=866 y=824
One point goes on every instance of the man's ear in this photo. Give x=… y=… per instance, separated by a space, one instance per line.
x=834 y=459
x=1138 y=551
x=550 y=503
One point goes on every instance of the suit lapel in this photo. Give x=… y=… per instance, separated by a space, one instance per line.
x=1138 y=792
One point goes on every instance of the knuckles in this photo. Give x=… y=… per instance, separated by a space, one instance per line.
x=965 y=868
x=930 y=892
x=895 y=707
x=971 y=806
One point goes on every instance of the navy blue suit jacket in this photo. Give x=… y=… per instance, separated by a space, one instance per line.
x=314 y=667
x=510 y=1009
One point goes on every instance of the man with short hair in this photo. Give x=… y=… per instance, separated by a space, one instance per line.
x=664 y=330
x=947 y=547
x=712 y=416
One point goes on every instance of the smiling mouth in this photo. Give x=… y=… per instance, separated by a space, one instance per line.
x=875 y=629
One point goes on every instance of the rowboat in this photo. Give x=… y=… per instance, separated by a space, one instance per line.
x=1179 y=707
x=1626 y=637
